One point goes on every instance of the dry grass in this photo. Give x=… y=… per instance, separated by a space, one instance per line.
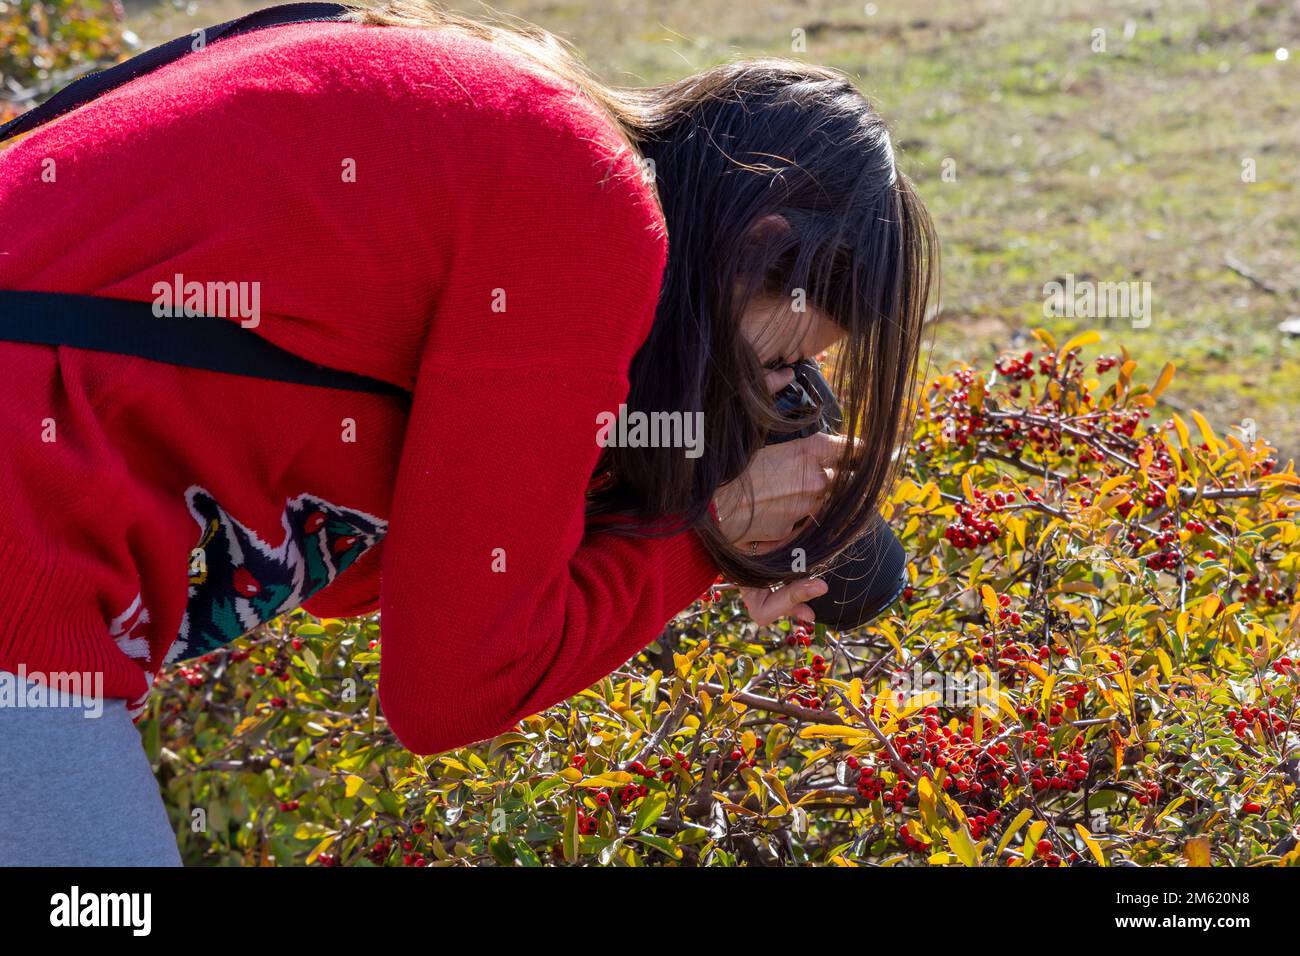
x=1116 y=166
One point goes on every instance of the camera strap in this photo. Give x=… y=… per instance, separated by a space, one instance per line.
x=126 y=327
x=92 y=85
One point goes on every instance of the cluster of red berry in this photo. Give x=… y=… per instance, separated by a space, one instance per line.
x=896 y=795
x=1169 y=554
x=973 y=527
x=978 y=773
x=666 y=765
x=738 y=756
x=1273 y=596
x=631 y=793
x=409 y=856
x=1267 y=718
x=1068 y=770
x=378 y=852
x=799 y=637
x=1150 y=790
x=193 y=675
x=807 y=676
x=1016 y=368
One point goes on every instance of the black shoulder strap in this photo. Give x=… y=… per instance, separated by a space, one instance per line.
x=91 y=85
x=127 y=327
x=131 y=328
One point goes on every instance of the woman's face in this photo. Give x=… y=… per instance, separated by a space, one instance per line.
x=782 y=336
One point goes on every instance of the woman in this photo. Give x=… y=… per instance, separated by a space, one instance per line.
x=461 y=211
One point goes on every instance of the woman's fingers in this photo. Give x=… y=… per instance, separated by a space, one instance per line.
x=824 y=448
x=779 y=378
x=787 y=484
x=784 y=484
x=767 y=607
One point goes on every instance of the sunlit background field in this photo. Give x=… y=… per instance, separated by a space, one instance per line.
x=1119 y=166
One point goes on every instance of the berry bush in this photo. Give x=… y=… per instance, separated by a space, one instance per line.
x=46 y=43
x=1094 y=663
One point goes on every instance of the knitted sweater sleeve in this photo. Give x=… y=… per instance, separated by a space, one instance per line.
x=496 y=600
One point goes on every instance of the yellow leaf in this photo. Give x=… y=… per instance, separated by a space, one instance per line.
x=614 y=778
x=1197 y=851
x=1184 y=437
x=1126 y=374
x=907 y=490
x=352 y=784
x=1110 y=501
x=959 y=842
x=954 y=810
x=1111 y=484
x=1166 y=665
x=1171 y=808
x=320 y=848
x=1012 y=829
x=245 y=725
x=1031 y=838
x=990 y=600
x=834 y=732
x=1005 y=704
x=1036 y=669
x=926 y=801
x=1207 y=433
x=1045 y=337
x=1078 y=342
x=1093 y=846
x=1078 y=587
x=1166 y=376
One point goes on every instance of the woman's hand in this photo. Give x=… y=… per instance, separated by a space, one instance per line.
x=766 y=606
x=782 y=487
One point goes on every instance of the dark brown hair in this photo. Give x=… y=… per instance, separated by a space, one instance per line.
x=729 y=148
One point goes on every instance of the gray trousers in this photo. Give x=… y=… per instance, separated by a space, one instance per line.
x=77 y=790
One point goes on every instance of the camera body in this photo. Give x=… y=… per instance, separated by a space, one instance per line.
x=872 y=572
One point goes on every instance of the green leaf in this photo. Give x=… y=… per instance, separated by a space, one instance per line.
x=652 y=808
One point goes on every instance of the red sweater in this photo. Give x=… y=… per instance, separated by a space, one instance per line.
x=415 y=206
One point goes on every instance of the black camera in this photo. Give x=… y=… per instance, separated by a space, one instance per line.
x=872 y=572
